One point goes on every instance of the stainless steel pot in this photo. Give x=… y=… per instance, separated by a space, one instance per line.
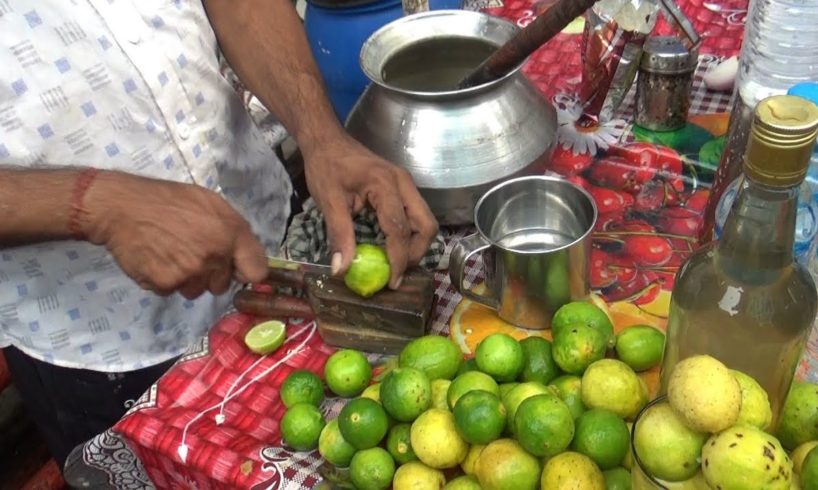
x=456 y=144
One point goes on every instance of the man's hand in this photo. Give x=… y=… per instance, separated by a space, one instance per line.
x=265 y=44
x=343 y=177
x=171 y=237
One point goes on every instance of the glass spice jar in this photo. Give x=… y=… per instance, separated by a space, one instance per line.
x=664 y=83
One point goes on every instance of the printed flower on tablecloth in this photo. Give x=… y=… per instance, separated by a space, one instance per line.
x=580 y=134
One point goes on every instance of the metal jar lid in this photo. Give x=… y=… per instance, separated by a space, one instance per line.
x=667 y=54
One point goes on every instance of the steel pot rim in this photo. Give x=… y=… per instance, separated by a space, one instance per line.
x=371 y=42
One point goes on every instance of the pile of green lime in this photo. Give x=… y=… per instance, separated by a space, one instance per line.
x=546 y=414
x=518 y=415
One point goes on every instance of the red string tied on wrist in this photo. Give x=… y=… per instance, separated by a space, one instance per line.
x=81 y=185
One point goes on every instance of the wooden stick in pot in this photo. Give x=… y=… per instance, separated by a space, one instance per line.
x=534 y=35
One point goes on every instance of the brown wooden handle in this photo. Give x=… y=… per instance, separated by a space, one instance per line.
x=285 y=277
x=272 y=305
x=534 y=35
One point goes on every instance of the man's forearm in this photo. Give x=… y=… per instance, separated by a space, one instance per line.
x=35 y=204
x=265 y=44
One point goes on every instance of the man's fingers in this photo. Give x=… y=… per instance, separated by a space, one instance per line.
x=193 y=287
x=341 y=234
x=249 y=257
x=421 y=220
x=220 y=278
x=392 y=219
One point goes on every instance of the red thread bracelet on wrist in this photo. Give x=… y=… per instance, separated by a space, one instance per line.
x=81 y=185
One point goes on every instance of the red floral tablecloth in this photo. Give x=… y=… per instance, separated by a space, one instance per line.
x=212 y=420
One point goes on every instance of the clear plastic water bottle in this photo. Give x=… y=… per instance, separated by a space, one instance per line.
x=780 y=49
x=805 y=246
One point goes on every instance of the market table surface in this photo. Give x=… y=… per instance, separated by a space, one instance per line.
x=212 y=420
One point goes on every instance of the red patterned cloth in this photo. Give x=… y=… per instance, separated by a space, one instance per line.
x=557 y=66
x=245 y=449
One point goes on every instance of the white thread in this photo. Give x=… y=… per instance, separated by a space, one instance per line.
x=182 y=449
x=220 y=417
x=182 y=452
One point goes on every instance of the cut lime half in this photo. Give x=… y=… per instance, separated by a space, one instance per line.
x=266 y=337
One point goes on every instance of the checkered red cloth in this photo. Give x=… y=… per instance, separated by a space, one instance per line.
x=212 y=420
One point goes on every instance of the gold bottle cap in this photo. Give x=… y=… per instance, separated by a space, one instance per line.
x=781 y=141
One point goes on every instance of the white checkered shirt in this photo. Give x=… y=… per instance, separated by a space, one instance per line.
x=133 y=86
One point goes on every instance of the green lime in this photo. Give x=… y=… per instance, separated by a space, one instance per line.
x=265 y=337
x=799 y=417
x=302 y=386
x=539 y=365
x=468 y=365
x=369 y=271
x=572 y=470
x=435 y=355
x=363 y=423
x=301 y=426
x=517 y=395
x=440 y=388
x=603 y=436
x=501 y=356
x=569 y=389
x=627 y=461
x=617 y=479
x=399 y=445
x=373 y=392
x=417 y=476
x=470 y=380
x=587 y=314
x=333 y=447
x=505 y=465
x=347 y=373
x=577 y=347
x=799 y=454
x=704 y=393
x=664 y=444
x=405 y=393
x=755 y=404
x=372 y=469
x=640 y=347
x=463 y=482
x=505 y=388
x=435 y=439
x=743 y=456
x=480 y=417
x=468 y=464
x=544 y=426
x=612 y=385
x=809 y=471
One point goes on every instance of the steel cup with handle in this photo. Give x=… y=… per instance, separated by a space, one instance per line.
x=534 y=236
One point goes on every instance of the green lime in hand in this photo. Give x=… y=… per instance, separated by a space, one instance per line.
x=369 y=271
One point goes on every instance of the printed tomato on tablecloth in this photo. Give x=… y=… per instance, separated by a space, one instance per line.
x=650 y=198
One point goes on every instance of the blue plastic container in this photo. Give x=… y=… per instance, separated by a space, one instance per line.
x=337 y=30
x=336 y=33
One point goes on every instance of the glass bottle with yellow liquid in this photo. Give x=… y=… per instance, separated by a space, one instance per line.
x=744 y=300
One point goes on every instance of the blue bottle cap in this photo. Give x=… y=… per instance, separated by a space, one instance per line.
x=807 y=90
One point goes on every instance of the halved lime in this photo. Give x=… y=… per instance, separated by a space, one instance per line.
x=266 y=337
